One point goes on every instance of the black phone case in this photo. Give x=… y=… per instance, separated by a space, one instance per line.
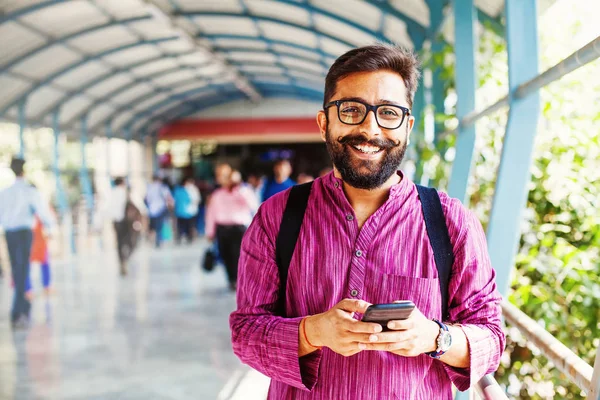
x=383 y=313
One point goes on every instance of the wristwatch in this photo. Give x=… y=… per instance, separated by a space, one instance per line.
x=444 y=341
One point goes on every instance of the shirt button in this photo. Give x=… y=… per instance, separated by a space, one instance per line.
x=354 y=292
x=349 y=217
x=337 y=185
x=358 y=253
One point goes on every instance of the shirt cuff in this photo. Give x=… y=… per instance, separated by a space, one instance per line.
x=304 y=370
x=480 y=355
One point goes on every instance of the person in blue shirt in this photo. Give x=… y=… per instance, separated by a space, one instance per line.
x=187 y=198
x=19 y=204
x=280 y=181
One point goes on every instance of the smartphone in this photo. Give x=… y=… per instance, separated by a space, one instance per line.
x=384 y=313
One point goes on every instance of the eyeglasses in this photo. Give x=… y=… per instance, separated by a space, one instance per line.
x=353 y=112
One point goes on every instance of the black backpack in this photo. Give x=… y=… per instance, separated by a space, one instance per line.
x=435 y=223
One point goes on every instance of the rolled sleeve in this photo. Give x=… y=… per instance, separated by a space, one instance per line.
x=261 y=339
x=475 y=305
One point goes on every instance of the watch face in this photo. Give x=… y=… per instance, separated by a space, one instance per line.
x=446 y=341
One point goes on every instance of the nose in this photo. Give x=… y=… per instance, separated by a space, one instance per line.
x=369 y=126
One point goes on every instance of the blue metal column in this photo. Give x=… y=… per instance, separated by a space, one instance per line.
x=22 y=123
x=465 y=17
x=155 y=165
x=418 y=111
x=514 y=174
x=109 y=136
x=61 y=198
x=86 y=185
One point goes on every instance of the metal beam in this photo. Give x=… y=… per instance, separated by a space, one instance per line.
x=191 y=14
x=21 y=12
x=510 y=196
x=74 y=65
x=241 y=82
x=71 y=36
x=466 y=45
x=115 y=92
x=82 y=90
x=267 y=41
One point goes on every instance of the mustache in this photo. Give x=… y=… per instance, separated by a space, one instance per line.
x=358 y=139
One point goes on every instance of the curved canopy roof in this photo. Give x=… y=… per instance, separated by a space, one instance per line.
x=134 y=65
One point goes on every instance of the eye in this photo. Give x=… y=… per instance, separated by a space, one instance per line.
x=350 y=110
x=388 y=112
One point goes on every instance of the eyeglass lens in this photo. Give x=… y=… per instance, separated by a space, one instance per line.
x=354 y=113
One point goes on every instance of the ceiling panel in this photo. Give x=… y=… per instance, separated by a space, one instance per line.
x=133 y=55
x=82 y=75
x=42 y=99
x=226 y=25
x=65 y=18
x=133 y=93
x=358 y=11
x=154 y=66
x=48 y=61
x=12 y=87
x=314 y=55
x=98 y=114
x=16 y=40
x=415 y=9
x=282 y=11
x=73 y=107
x=276 y=31
x=233 y=6
x=343 y=31
x=110 y=84
x=99 y=41
x=395 y=29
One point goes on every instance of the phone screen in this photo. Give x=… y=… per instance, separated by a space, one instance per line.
x=383 y=313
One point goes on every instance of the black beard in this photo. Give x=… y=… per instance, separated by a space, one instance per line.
x=378 y=172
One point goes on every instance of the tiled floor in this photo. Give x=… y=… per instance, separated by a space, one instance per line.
x=160 y=333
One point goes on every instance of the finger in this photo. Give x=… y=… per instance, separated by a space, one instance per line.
x=384 y=346
x=353 y=305
x=392 y=337
x=352 y=325
x=401 y=325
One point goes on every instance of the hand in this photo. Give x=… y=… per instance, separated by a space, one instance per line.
x=337 y=330
x=409 y=338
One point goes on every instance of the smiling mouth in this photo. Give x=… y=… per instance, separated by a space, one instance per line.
x=367 y=149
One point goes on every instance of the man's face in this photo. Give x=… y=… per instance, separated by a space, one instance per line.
x=283 y=170
x=366 y=155
x=222 y=174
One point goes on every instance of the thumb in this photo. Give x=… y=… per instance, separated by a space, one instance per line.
x=353 y=305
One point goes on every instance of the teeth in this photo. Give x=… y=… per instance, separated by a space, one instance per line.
x=367 y=149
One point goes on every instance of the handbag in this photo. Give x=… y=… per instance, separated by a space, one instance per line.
x=209 y=261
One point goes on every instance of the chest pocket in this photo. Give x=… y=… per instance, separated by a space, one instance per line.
x=387 y=288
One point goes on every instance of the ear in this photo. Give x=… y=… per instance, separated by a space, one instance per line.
x=322 y=122
x=409 y=127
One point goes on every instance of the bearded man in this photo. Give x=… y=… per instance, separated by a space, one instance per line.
x=363 y=240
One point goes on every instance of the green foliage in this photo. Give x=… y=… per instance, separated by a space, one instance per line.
x=556 y=280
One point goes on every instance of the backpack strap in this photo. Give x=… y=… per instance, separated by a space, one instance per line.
x=289 y=230
x=439 y=238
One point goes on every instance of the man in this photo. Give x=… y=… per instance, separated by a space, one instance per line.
x=363 y=240
x=19 y=204
x=280 y=181
x=116 y=207
x=158 y=200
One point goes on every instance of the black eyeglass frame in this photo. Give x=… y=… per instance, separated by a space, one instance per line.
x=369 y=107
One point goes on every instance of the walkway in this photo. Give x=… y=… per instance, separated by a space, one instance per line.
x=161 y=333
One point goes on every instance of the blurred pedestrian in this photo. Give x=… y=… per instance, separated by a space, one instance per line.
x=39 y=255
x=19 y=204
x=281 y=179
x=187 y=199
x=304 y=178
x=228 y=215
x=158 y=200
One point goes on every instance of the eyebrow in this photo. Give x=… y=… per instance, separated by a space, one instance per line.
x=379 y=101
